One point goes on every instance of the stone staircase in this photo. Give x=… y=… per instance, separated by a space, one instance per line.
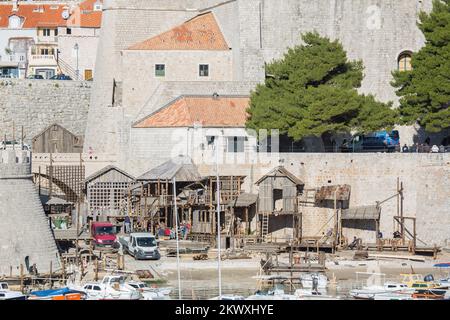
x=25 y=230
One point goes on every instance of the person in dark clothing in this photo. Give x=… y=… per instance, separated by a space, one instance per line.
x=354 y=243
x=405 y=149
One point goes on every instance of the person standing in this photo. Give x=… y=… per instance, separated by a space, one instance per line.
x=127 y=224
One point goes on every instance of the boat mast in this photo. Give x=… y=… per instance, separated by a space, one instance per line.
x=219 y=258
x=176 y=235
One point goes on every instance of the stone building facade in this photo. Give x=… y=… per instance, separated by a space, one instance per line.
x=256 y=31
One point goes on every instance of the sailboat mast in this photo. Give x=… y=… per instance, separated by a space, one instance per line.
x=219 y=255
x=176 y=235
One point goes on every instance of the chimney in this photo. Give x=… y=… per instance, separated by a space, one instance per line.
x=15 y=5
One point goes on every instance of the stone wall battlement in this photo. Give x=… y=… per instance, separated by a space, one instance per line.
x=15 y=164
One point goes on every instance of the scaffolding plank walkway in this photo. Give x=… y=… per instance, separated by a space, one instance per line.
x=70 y=234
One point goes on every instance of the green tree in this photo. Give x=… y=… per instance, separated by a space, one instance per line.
x=312 y=91
x=425 y=90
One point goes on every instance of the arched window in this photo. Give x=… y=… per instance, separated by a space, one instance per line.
x=404 y=61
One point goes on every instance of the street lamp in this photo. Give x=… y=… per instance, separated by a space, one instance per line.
x=76 y=47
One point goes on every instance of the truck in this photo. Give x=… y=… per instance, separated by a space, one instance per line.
x=140 y=246
x=103 y=235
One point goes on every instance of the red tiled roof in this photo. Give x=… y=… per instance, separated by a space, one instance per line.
x=48 y=18
x=84 y=16
x=51 y=15
x=205 y=111
x=199 y=33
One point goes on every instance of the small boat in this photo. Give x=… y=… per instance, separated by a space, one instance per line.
x=444 y=267
x=371 y=292
x=393 y=296
x=229 y=298
x=432 y=294
x=276 y=294
x=417 y=281
x=150 y=293
x=58 y=294
x=6 y=294
x=111 y=288
x=304 y=294
x=307 y=280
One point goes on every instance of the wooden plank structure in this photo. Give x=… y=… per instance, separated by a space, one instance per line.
x=278 y=200
x=57 y=139
x=152 y=199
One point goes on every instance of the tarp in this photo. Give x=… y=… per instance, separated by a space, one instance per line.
x=361 y=213
x=442 y=265
x=54 y=292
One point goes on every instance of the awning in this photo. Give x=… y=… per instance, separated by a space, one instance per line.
x=9 y=64
x=244 y=200
x=362 y=213
x=57 y=201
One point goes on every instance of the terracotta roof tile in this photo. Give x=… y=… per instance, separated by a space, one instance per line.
x=84 y=16
x=199 y=33
x=206 y=111
x=51 y=15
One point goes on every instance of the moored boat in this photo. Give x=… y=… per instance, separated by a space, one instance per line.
x=58 y=294
x=7 y=294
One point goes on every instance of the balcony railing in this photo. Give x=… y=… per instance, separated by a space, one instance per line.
x=47 y=39
x=40 y=60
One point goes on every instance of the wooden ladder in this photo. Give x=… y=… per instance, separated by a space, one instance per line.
x=265 y=225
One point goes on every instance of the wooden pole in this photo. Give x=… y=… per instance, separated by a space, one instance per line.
x=10 y=271
x=21 y=278
x=401 y=213
x=51 y=274
x=51 y=177
x=39 y=179
x=96 y=269
x=63 y=268
x=78 y=231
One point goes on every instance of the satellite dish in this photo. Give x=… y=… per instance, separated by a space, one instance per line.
x=65 y=14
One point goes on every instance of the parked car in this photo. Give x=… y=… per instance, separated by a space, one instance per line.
x=375 y=142
x=140 y=246
x=61 y=77
x=104 y=235
x=35 y=77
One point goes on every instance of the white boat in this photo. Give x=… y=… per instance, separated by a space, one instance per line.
x=393 y=296
x=305 y=294
x=6 y=294
x=111 y=288
x=149 y=293
x=307 y=280
x=277 y=294
x=370 y=292
x=229 y=298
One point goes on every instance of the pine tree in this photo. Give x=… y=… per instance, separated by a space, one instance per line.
x=425 y=90
x=312 y=91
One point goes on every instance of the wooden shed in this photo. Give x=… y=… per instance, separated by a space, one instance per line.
x=278 y=192
x=57 y=139
x=278 y=204
x=106 y=192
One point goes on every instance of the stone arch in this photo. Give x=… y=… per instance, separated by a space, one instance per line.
x=68 y=191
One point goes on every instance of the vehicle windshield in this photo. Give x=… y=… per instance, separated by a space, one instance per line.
x=146 y=242
x=105 y=230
